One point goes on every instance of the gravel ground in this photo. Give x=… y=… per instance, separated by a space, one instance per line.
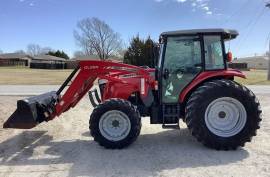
x=63 y=147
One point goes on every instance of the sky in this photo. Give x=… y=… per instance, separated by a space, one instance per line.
x=50 y=23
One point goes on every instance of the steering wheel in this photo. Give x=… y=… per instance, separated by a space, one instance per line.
x=180 y=70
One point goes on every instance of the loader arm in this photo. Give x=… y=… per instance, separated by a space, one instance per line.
x=84 y=77
x=34 y=110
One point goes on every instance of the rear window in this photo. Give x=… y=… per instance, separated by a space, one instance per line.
x=213 y=53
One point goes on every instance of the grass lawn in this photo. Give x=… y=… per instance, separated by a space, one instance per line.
x=254 y=77
x=27 y=76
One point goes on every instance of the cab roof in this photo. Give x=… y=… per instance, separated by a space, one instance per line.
x=227 y=33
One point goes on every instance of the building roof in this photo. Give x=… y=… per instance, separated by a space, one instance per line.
x=48 y=58
x=22 y=56
x=228 y=33
x=90 y=57
x=93 y=57
x=14 y=56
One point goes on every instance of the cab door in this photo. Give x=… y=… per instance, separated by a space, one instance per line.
x=182 y=63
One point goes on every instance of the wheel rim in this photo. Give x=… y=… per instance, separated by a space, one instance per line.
x=225 y=117
x=114 y=125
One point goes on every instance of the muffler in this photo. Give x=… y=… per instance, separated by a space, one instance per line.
x=32 y=111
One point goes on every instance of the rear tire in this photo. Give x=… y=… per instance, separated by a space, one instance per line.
x=223 y=114
x=115 y=124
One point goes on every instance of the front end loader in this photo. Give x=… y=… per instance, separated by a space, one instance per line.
x=191 y=82
x=34 y=110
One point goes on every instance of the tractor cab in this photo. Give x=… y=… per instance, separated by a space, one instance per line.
x=185 y=54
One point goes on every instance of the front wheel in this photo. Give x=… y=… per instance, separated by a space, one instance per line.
x=223 y=114
x=115 y=123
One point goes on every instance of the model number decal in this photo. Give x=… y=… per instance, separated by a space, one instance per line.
x=91 y=67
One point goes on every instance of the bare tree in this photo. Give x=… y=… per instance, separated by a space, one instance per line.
x=20 y=51
x=95 y=37
x=79 y=54
x=46 y=50
x=33 y=49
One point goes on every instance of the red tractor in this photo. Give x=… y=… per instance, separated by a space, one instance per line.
x=191 y=81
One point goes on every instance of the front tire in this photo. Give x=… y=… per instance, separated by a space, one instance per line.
x=223 y=114
x=115 y=124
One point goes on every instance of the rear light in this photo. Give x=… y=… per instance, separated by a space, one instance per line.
x=156 y=85
x=229 y=56
x=142 y=86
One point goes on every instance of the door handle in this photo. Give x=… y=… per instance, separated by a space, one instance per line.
x=166 y=73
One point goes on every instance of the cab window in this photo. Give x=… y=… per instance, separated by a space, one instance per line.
x=213 y=53
x=182 y=64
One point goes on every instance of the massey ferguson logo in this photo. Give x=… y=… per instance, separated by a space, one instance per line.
x=91 y=67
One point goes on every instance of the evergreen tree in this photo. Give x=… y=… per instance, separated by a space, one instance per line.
x=58 y=53
x=141 y=52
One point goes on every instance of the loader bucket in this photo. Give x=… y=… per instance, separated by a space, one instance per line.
x=32 y=111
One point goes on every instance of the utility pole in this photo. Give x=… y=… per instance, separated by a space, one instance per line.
x=268 y=75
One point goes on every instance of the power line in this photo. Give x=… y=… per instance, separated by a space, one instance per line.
x=259 y=14
x=236 y=12
x=250 y=26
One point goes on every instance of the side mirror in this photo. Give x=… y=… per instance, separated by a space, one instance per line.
x=229 y=56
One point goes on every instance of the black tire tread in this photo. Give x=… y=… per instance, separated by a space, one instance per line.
x=198 y=130
x=122 y=105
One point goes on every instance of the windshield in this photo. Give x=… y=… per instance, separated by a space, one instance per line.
x=182 y=51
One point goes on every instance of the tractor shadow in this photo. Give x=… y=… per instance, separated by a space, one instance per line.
x=149 y=155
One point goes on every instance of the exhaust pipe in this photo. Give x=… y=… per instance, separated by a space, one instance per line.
x=32 y=111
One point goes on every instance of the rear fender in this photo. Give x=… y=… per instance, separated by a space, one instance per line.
x=208 y=75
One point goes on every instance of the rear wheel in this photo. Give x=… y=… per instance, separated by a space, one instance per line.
x=223 y=114
x=115 y=123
